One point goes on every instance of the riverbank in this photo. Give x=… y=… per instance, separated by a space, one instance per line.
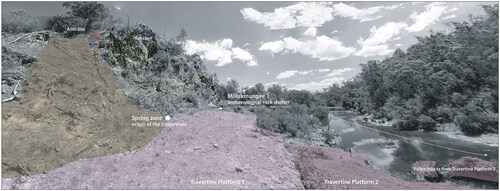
x=486 y=139
x=448 y=129
x=453 y=131
x=331 y=168
x=368 y=118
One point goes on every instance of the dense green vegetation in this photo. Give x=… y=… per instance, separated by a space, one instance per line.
x=304 y=113
x=444 y=78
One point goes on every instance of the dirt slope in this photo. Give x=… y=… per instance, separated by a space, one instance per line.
x=71 y=108
x=318 y=164
x=213 y=146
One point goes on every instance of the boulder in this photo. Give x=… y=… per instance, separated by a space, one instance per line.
x=474 y=168
x=427 y=169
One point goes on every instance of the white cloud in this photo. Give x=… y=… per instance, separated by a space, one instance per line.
x=376 y=44
x=291 y=73
x=287 y=74
x=279 y=19
x=334 y=31
x=339 y=72
x=267 y=73
x=252 y=63
x=274 y=47
x=373 y=50
x=221 y=51
x=241 y=54
x=318 y=86
x=363 y=15
x=303 y=14
x=270 y=84
x=448 y=17
x=384 y=33
x=311 y=14
x=311 y=31
x=398 y=45
x=322 y=47
x=432 y=13
x=244 y=55
x=401 y=5
x=215 y=51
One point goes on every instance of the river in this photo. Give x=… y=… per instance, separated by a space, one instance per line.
x=394 y=152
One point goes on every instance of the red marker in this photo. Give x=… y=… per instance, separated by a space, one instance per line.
x=97 y=36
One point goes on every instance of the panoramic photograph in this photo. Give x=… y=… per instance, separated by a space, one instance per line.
x=281 y=95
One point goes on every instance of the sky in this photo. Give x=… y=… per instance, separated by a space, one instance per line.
x=301 y=45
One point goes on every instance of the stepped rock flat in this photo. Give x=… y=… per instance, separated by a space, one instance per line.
x=215 y=150
x=331 y=168
x=72 y=107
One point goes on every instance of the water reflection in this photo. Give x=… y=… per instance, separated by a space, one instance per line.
x=391 y=153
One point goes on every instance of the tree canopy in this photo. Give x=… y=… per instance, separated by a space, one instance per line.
x=89 y=11
x=444 y=78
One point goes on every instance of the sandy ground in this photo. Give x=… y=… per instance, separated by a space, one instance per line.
x=448 y=129
x=213 y=146
x=487 y=139
x=330 y=168
x=71 y=108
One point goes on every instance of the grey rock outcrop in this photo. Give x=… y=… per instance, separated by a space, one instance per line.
x=155 y=73
x=19 y=52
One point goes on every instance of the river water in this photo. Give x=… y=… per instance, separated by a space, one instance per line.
x=394 y=152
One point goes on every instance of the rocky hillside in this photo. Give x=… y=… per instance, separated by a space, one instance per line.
x=71 y=108
x=155 y=73
x=19 y=52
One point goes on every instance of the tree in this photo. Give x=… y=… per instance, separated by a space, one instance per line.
x=258 y=89
x=181 y=38
x=89 y=11
x=372 y=75
x=444 y=77
x=301 y=97
x=276 y=92
x=232 y=87
x=332 y=95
